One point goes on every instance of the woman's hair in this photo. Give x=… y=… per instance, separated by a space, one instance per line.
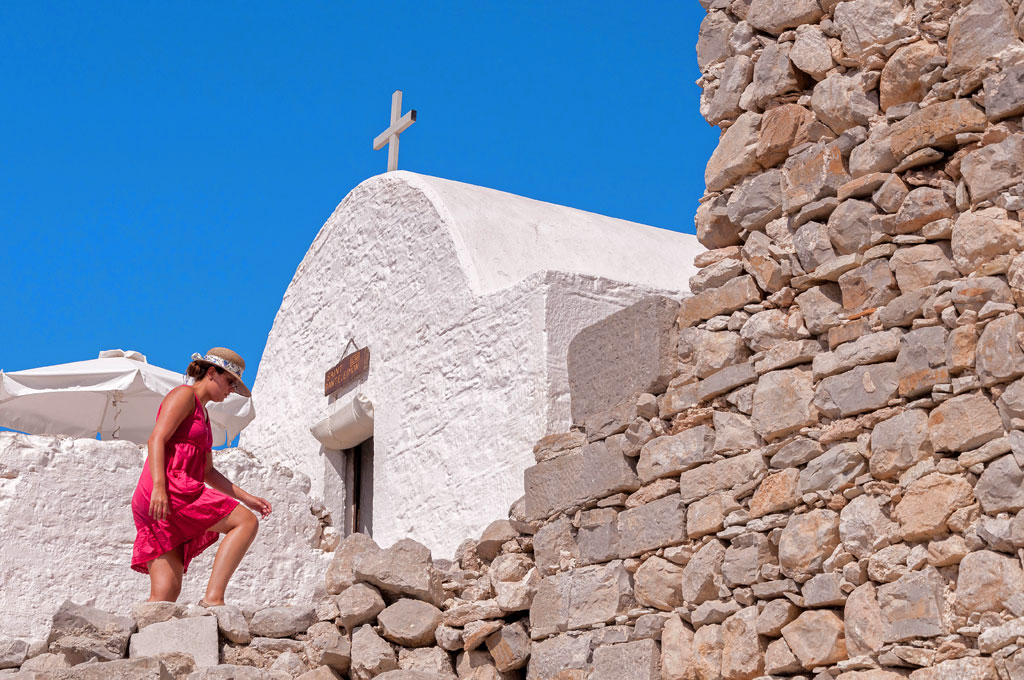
x=197 y=370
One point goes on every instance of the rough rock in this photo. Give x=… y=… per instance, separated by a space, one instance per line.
x=410 y=623
x=992 y=168
x=783 y=403
x=83 y=633
x=672 y=454
x=816 y=638
x=806 y=541
x=282 y=622
x=927 y=504
x=912 y=606
x=978 y=31
x=721 y=475
x=735 y=156
x=983 y=238
x=639 y=660
x=652 y=526
x=964 y=422
x=371 y=654
x=935 y=126
x=863 y=527
x=196 y=636
x=509 y=647
x=986 y=580
x=595 y=472
x=864 y=621
x=580 y=598
x=339 y=573
x=998 y=355
x=358 y=605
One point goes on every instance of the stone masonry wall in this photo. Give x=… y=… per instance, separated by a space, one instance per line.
x=830 y=486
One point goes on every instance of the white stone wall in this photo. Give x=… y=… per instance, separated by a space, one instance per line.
x=467 y=337
x=67 y=531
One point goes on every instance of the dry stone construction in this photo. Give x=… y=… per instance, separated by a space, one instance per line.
x=828 y=486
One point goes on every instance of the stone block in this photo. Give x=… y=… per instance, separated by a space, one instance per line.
x=778 y=492
x=410 y=623
x=927 y=504
x=816 y=638
x=702 y=575
x=986 y=580
x=984 y=238
x=639 y=660
x=835 y=468
x=864 y=528
x=999 y=357
x=806 y=541
x=964 y=422
x=371 y=655
x=728 y=298
x=339 y=573
x=149 y=668
x=83 y=633
x=562 y=656
x=509 y=647
x=328 y=673
x=282 y=622
x=228 y=671
x=861 y=389
x=744 y=558
x=1004 y=93
x=630 y=352
x=912 y=606
x=597 y=539
x=658 y=584
x=863 y=621
x=783 y=403
x=722 y=475
x=327 y=646
x=652 y=526
x=899 y=442
x=671 y=454
x=359 y=604
x=936 y=126
x=581 y=598
x=592 y=473
x=196 y=636
x=1001 y=486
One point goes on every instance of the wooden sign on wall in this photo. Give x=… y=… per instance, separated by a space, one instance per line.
x=348 y=370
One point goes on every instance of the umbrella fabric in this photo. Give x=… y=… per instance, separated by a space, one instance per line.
x=115 y=396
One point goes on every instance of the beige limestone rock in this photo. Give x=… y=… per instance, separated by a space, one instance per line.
x=703 y=574
x=775 y=17
x=810 y=52
x=707 y=515
x=730 y=297
x=850 y=226
x=327 y=646
x=509 y=647
x=998 y=356
x=677 y=650
x=742 y=650
x=776 y=493
x=358 y=605
x=755 y=201
x=637 y=660
x=975 y=668
x=572 y=479
x=978 y=31
x=782 y=128
x=868 y=286
x=863 y=527
x=714 y=230
x=652 y=526
x=371 y=654
x=774 y=75
x=779 y=658
x=744 y=558
x=713 y=38
x=964 y=422
x=722 y=475
x=935 y=125
x=783 y=403
x=927 y=504
x=432 y=661
x=994 y=167
x=984 y=237
x=920 y=266
x=403 y=569
x=899 y=442
x=339 y=573
x=195 y=636
x=820 y=307
x=1001 y=486
x=909 y=73
x=478 y=665
x=658 y=584
x=841 y=103
x=912 y=606
x=562 y=656
x=986 y=580
x=806 y=541
x=814 y=173
x=672 y=454
x=410 y=623
x=580 y=598
x=1004 y=93
x=706 y=651
x=724 y=102
x=863 y=620
x=920 y=207
x=735 y=156
x=775 y=615
x=816 y=638
x=861 y=389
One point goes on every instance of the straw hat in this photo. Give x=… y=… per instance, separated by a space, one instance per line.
x=224 y=358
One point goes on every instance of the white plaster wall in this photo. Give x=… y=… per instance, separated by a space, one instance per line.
x=467 y=339
x=67 y=532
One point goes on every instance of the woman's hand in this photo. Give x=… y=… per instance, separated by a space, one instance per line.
x=159 y=506
x=260 y=505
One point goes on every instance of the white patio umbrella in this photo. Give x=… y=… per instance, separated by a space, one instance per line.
x=115 y=396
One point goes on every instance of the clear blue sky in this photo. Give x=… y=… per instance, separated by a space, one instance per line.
x=166 y=165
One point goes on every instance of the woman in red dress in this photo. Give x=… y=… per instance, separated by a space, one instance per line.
x=176 y=514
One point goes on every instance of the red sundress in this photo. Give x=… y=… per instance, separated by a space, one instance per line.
x=194 y=507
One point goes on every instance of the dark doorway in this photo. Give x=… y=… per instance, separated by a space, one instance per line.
x=359 y=489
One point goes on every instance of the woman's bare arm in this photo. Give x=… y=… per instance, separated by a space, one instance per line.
x=225 y=485
x=175 y=408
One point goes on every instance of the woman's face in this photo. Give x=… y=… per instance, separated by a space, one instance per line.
x=224 y=384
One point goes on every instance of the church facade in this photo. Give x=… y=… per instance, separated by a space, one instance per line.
x=465 y=299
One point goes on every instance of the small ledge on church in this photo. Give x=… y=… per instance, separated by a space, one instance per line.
x=349 y=424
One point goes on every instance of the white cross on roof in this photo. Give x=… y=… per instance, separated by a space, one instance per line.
x=398 y=126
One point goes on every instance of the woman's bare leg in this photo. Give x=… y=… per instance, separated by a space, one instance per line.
x=165 y=576
x=239 y=529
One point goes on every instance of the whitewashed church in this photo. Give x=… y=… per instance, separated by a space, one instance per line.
x=466 y=299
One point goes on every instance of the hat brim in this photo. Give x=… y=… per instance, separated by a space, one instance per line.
x=241 y=387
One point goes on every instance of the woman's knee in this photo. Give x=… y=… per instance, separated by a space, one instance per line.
x=249 y=522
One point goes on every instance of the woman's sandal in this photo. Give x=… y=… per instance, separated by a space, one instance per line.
x=206 y=605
